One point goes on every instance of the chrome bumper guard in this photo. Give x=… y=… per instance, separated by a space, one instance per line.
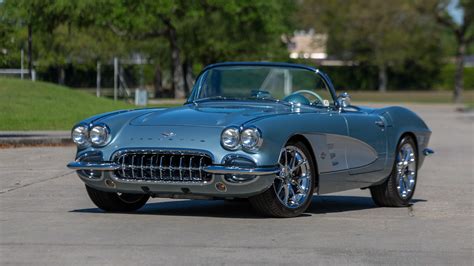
x=212 y=169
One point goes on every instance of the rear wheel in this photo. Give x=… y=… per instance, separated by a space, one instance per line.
x=116 y=202
x=291 y=192
x=399 y=188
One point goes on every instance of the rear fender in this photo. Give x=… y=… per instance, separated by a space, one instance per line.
x=402 y=121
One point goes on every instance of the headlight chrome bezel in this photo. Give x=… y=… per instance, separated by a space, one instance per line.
x=239 y=139
x=256 y=144
x=236 y=132
x=85 y=134
x=104 y=133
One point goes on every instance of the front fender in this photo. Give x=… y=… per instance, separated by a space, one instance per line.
x=277 y=130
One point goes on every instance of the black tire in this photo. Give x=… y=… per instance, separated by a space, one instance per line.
x=386 y=194
x=268 y=203
x=113 y=202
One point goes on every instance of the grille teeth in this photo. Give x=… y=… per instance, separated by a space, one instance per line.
x=163 y=166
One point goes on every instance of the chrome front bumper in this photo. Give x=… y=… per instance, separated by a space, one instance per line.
x=212 y=169
x=234 y=170
x=102 y=166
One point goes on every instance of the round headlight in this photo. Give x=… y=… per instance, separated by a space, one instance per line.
x=79 y=135
x=230 y=138
x=99 y=135
x=251 y=139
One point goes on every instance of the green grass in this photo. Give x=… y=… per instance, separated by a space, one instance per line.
x=26 y=105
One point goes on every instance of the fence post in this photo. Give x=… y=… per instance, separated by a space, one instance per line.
x=98 y=80
x=115 y=77
x=22 y=56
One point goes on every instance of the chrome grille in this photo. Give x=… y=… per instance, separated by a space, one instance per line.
x=164 y=166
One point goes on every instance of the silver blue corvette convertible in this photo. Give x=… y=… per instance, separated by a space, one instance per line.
x=272 y=133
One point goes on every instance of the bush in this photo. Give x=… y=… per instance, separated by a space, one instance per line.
x=446 y=78
x=411 y=77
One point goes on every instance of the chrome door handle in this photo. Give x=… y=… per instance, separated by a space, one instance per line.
x=380 y=123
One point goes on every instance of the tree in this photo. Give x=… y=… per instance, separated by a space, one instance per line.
x=204 y=32
x=40 y=18
x=462 y=30
x=65 y=32
x=384 y=34
x=22 y=13
x=182 y=34
x=236 y=30
x=9 y=40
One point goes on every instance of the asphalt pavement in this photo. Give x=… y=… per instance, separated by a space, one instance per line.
x=46 y=217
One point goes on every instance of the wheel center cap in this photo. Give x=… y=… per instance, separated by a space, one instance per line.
x=285 y=174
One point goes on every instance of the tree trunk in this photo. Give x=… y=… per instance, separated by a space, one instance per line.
x=30 y=50
x=383 y=78
x=158 y=83
x=188 y=75
x=459 y=74
x=61 y=75
x=176 y=67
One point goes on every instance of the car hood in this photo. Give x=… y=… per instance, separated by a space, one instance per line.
x=209 y=114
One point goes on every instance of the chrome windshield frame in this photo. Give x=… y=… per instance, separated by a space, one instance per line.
x=201 y=77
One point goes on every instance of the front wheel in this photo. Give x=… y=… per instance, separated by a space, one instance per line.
x=291 y=193
x=116 y=202
x=399 y=188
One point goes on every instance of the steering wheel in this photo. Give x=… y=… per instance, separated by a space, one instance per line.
x=319 y=98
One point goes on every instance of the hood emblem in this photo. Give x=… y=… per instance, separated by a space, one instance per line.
x=168 y=134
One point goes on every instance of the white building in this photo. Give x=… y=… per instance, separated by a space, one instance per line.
x=308 y=45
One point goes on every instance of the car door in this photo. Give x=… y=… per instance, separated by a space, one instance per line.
x=369 y=150
x=335 y=151
x=328 y=137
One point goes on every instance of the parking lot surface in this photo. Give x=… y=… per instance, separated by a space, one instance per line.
x=46 y=217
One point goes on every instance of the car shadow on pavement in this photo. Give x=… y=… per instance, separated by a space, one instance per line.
x=243 y=210
x=209 y=208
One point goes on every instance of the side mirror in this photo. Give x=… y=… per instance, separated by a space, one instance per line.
x=343 y=100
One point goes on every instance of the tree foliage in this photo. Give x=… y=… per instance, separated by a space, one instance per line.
x=462 y=31
x=398 y=40
x=391 y=36
x=195 y=32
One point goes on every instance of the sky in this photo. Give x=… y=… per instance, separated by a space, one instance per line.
x=455 y=12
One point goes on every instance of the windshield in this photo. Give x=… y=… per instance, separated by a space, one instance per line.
x=262 y=83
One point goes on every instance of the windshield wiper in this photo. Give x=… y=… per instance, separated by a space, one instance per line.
x=271 y=100
x=213 y=98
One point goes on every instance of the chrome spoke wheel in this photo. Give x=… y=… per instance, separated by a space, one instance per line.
x=406 y=170
x=293 y=184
